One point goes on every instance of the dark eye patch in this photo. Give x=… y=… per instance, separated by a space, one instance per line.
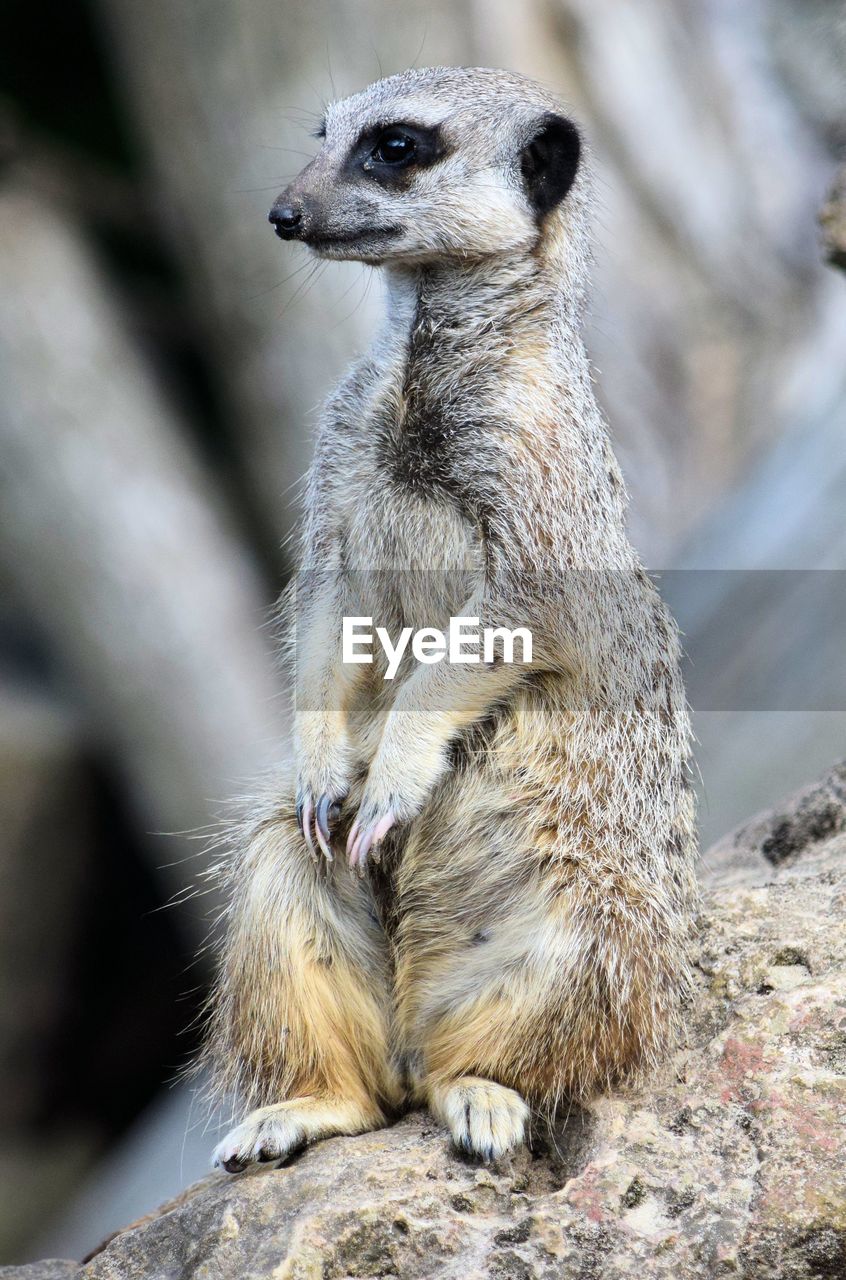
x=390 y=153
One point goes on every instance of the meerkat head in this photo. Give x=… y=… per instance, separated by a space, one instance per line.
x=447 y=162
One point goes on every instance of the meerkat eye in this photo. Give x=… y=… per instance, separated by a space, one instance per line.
x=394 y=147
x=391 y=154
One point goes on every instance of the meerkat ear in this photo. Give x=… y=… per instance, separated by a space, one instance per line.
x=549 y=162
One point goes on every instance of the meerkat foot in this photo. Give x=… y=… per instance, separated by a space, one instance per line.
x=272 y=1133
x=484 y=1118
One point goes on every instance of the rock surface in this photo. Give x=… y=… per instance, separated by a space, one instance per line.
x=733 y=1163
x=750 y=854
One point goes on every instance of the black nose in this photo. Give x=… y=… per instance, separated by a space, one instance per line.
x=286 y=220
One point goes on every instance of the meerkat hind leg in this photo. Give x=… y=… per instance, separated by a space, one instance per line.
x=485 y=1118
x=301 y=1009
x=272 y=1133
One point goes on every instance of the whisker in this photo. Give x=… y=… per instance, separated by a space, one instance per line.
x=378 y=60
x=291 y=151
x=244 y=191
x=422 y=44
x=290 y=276
x=329 y=69
x=303 y=288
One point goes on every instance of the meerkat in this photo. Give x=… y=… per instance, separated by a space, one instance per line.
x=476 y=893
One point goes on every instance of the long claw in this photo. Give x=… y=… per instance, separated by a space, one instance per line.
x=308 y=809
x=321 y=826
x=351 y=840
x=354 y=850
x=375 y=833
x=383 y=826
x=367 y=838
x=364 y=847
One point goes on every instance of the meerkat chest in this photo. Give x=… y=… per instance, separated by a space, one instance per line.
x=415 y=561
x=418 y=553
x=393 y=529
x=400 y=491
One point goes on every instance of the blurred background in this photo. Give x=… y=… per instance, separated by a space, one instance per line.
x=161 y=360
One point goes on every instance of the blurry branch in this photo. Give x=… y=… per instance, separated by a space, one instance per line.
x=68 y=180
x=712 y=314
x=833 y=222
x=787 y=515
x=225 y=97
x=46 y=845
x=713 y=317
x=118 y=213
x=115 y=538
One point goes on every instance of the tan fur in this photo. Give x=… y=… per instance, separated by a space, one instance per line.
x=524 y=934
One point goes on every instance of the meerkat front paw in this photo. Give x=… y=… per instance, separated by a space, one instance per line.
x=400 y=781
x=272 y=1133
x=326 y=768
x=380 y=809
x=485 y=1119
x=316 y=816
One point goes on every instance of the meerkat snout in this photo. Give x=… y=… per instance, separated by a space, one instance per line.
x=411 y=171
x=285 y=219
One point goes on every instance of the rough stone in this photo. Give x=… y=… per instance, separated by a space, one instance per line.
x=731 y=1163
x=778 y=836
